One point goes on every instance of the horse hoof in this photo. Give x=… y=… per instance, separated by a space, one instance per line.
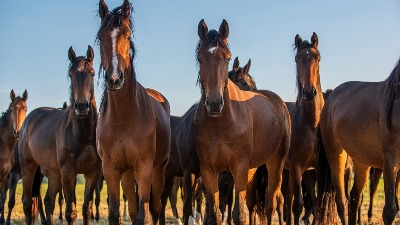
x=191 y=220
x=398 y=214
x=302 y=222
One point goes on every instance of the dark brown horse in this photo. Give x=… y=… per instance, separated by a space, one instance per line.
x=246 y=115
x=304 y=113
x=133 y=131
x=10 y=124
x=361 y=119
x=67 y=139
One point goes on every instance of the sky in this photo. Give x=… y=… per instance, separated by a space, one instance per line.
x=358 y=40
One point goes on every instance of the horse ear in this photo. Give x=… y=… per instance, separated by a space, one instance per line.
x=236 y=64
x=64 y=107
x=12 y=94
x=314 y=40
x=103 y=9
x=202 y=30
x=25 y=95
x=224 y=30
x=297 y=41
x=90 y=54
x=126 y=10
x=71 y=55
x=246 y=68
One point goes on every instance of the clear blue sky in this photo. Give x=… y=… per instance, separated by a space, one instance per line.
x=358 y=40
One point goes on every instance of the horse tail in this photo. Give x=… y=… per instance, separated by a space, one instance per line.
x=325 y=210
x=37 y=203
x=261 y=183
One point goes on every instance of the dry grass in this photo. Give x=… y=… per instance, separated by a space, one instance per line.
x=18 y=212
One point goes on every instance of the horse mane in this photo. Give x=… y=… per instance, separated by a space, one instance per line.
x=191 y=107
x=213 y=39
x=4 y=118
x=392 y=92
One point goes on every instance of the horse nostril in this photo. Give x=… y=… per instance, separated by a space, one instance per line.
x=314 y=92
x=87 y=104
x=76 y=105
x=120 y=75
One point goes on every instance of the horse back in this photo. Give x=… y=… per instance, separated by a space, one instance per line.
x=159 y=98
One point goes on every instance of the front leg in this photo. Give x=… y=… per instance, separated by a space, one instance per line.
x=210 y=181
x=240 y=178
x=68 y=184
x=90 y=185
x=113 y=179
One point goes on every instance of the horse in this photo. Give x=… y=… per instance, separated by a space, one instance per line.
x=224 y=107
x=67 y=138
x=360 y=119
x=133 y=133
x=304 y=114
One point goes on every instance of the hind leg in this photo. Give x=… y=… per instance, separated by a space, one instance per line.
x=294 y=197
x=99 y=187
x=128 y=185
x=54 y=186
x=187 y=197
x=173 y=198
x=230 y=203
x=360 y=179
x=60 y=203
x=274 y=168
x=68 y=184
x=375 y=176
x=251 y=200
x=157 y=187
x=3 y=198
x=28 y=176
x=169 y=183
x=309 y=181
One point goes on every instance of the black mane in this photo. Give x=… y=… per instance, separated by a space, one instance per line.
x=392 y=92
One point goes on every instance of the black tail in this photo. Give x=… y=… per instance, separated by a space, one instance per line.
x=325 y=210
x=261 y=182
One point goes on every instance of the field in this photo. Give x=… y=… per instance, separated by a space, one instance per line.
x=18 y=216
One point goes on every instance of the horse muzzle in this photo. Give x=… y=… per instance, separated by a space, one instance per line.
x=113 y=83
x=82 y=109
x=308 y=95
x=214 y=108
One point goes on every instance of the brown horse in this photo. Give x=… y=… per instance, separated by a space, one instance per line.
x=305 y=119
x=67 y=139
x=361 y=119
x=133 y=131
x=246 y=115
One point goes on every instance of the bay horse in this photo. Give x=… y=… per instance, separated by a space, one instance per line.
x=246 y=115
x=133 y=133
x=67 y=139
x=305 y=116
x=361 y=119
x=10 y=125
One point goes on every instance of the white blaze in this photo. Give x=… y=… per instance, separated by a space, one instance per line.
x=212 y=50
x=114 y=35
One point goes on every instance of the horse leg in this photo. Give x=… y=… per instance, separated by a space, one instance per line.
x=241 y=177
x=230 y=202
x=60 y=203
x=284 y=191
x=99 y=187
x=187 y=197
x=124 y=215
x=210 y=181
x=13 y=181
x=144 y=178
x=397 y=189
x=295 y=194
x=389 y=178
x=169 y=183
x=374 y=177
x=68 y=185
x=337 y=164
x=173 y=197
x=28 y=177
x=54 y=186
x=128 y=185
x=280 y=202
x=113 y=179
x=90 y=184
x=251 y=199
x=199 y=200
x=157 y=188
x=3 y=198
x=309 y=181
x=223 y=192
x=360 y=179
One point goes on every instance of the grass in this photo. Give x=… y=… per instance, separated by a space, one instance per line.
x=18 y=215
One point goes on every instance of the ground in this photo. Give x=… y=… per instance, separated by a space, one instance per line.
x=18 y=216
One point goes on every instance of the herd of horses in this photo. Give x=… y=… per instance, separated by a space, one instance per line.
x=238 y=142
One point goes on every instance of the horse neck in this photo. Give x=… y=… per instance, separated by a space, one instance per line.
x=309 y=111
x=6 y=134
